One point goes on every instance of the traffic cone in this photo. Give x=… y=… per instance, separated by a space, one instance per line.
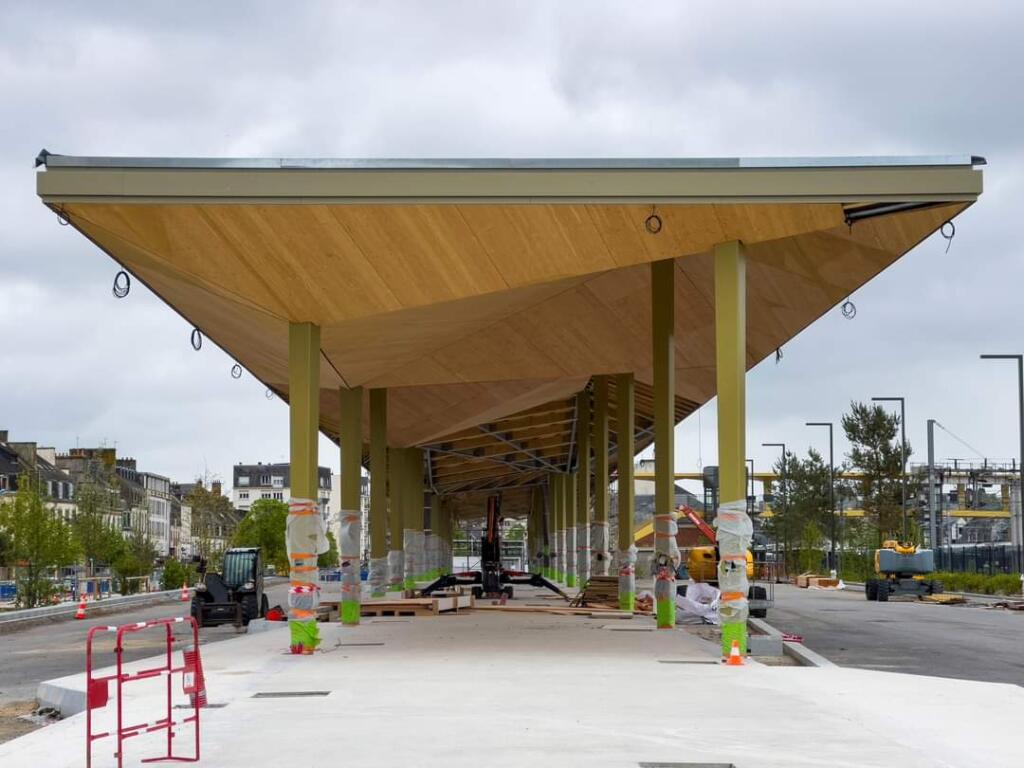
x=80 y=613
x=735 y=659
x=185 y=597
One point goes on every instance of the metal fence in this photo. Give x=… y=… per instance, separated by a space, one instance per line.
x=992 y=558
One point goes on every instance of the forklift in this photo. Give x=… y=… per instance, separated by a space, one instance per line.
x=492 y=580
x=235 y=596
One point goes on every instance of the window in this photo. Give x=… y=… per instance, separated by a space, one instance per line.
x=264 y=495
x=243 y=494
x=278 y=495
x=243 y=480
x=277 y=481
x=264 y=479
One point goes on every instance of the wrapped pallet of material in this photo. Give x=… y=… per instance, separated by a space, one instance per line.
x=378 y=576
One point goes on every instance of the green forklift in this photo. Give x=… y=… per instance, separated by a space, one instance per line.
x=234 y=596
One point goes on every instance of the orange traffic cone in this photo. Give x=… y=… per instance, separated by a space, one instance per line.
x=735 y=659
x=80 y=613
x=185 y=597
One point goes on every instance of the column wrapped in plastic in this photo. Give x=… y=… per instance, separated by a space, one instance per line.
x=378 y=576
x=413 y=542
x=349 y=546
x=570 y=556
x=600 y=557
x=734 y=533
x=582 y=552
x=396 y=570
x=666 y=552
x=306 y=539
x=627 y=577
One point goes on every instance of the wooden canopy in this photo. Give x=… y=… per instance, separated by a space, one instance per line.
x=484 y=294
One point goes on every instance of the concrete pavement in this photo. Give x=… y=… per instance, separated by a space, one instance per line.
x=56 y=649
x=966 y=642
x=512 y=689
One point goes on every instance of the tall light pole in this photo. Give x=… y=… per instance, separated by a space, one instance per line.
x=903 y=453
x=785 y=503
x=1020 y=413
x=831 y=484
x=750 y=504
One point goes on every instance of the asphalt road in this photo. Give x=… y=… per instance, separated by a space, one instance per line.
x=29 y=656
x=968 y=642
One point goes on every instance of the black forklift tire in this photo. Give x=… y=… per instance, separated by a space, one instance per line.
x=196 y=611
x=250 y=609
x=478 y=592
x=508 y=591
x=883 y=592
x=264 y=607
x=871 y=589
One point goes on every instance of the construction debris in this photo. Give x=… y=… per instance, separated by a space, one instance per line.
x=1010 y=605
x=945 y=598
x=600 y=591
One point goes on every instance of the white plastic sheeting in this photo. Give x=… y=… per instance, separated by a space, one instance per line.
x=734 y=533
x=378 y=576
x=570 y=555
x=600 y=557
x=413 y=545
x=349 y=539
x=627 y=571
x=582 y=552
x=699 y=605
x=396 y=569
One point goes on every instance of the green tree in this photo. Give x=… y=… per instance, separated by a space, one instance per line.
x=176 y=574
x=264 y=527
x=331 y=558
x=135 y=559
x=801 y=510
x=40 y=542
x=210 y=511
x=873 y=434
x=98 y=542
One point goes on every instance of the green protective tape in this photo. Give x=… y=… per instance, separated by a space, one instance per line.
x=570 y=580
x=304 y=633
x=627 y=601
x=732 y=632
x=350 y=612
x=666 y=614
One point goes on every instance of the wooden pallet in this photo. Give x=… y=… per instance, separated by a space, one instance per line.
x=599 y=591
x=418 y=606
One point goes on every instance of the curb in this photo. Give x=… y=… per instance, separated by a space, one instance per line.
x=16 y=620
x=803 y=655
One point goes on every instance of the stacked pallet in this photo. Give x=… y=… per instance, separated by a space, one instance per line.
x=599 y=591
x=419 y=606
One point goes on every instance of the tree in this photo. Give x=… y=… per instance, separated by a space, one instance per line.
x=330 y=558
x=798 y=523
x=209 y=513
x=135 y=559
x=39 y=541
x=875 y=452
x=98 y=542
x=264 y=527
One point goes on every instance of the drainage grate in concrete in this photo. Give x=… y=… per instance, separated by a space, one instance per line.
x=211 y=705
x=288 y=694
x=686 y=765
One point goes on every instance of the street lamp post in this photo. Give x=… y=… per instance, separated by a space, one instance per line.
x=1020 y=463
x=831 y=485
x=750 y=504
x=903 y=453
x=785 y=507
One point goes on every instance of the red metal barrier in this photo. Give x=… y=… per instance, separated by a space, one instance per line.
x=98 y=692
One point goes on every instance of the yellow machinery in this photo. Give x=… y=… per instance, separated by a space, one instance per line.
x=901 y=567
x=702 y=564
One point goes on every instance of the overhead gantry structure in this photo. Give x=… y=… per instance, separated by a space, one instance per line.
x=506 y=325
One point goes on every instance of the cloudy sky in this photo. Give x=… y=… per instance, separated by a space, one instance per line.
x=516 y=79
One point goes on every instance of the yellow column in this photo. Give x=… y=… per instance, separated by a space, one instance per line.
x=625 y=422
x=305 y=521
x=599 y=544
x=350 y=533
x=732 y=521
x=663 y=337
x=378 y=492
x=583 y=412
